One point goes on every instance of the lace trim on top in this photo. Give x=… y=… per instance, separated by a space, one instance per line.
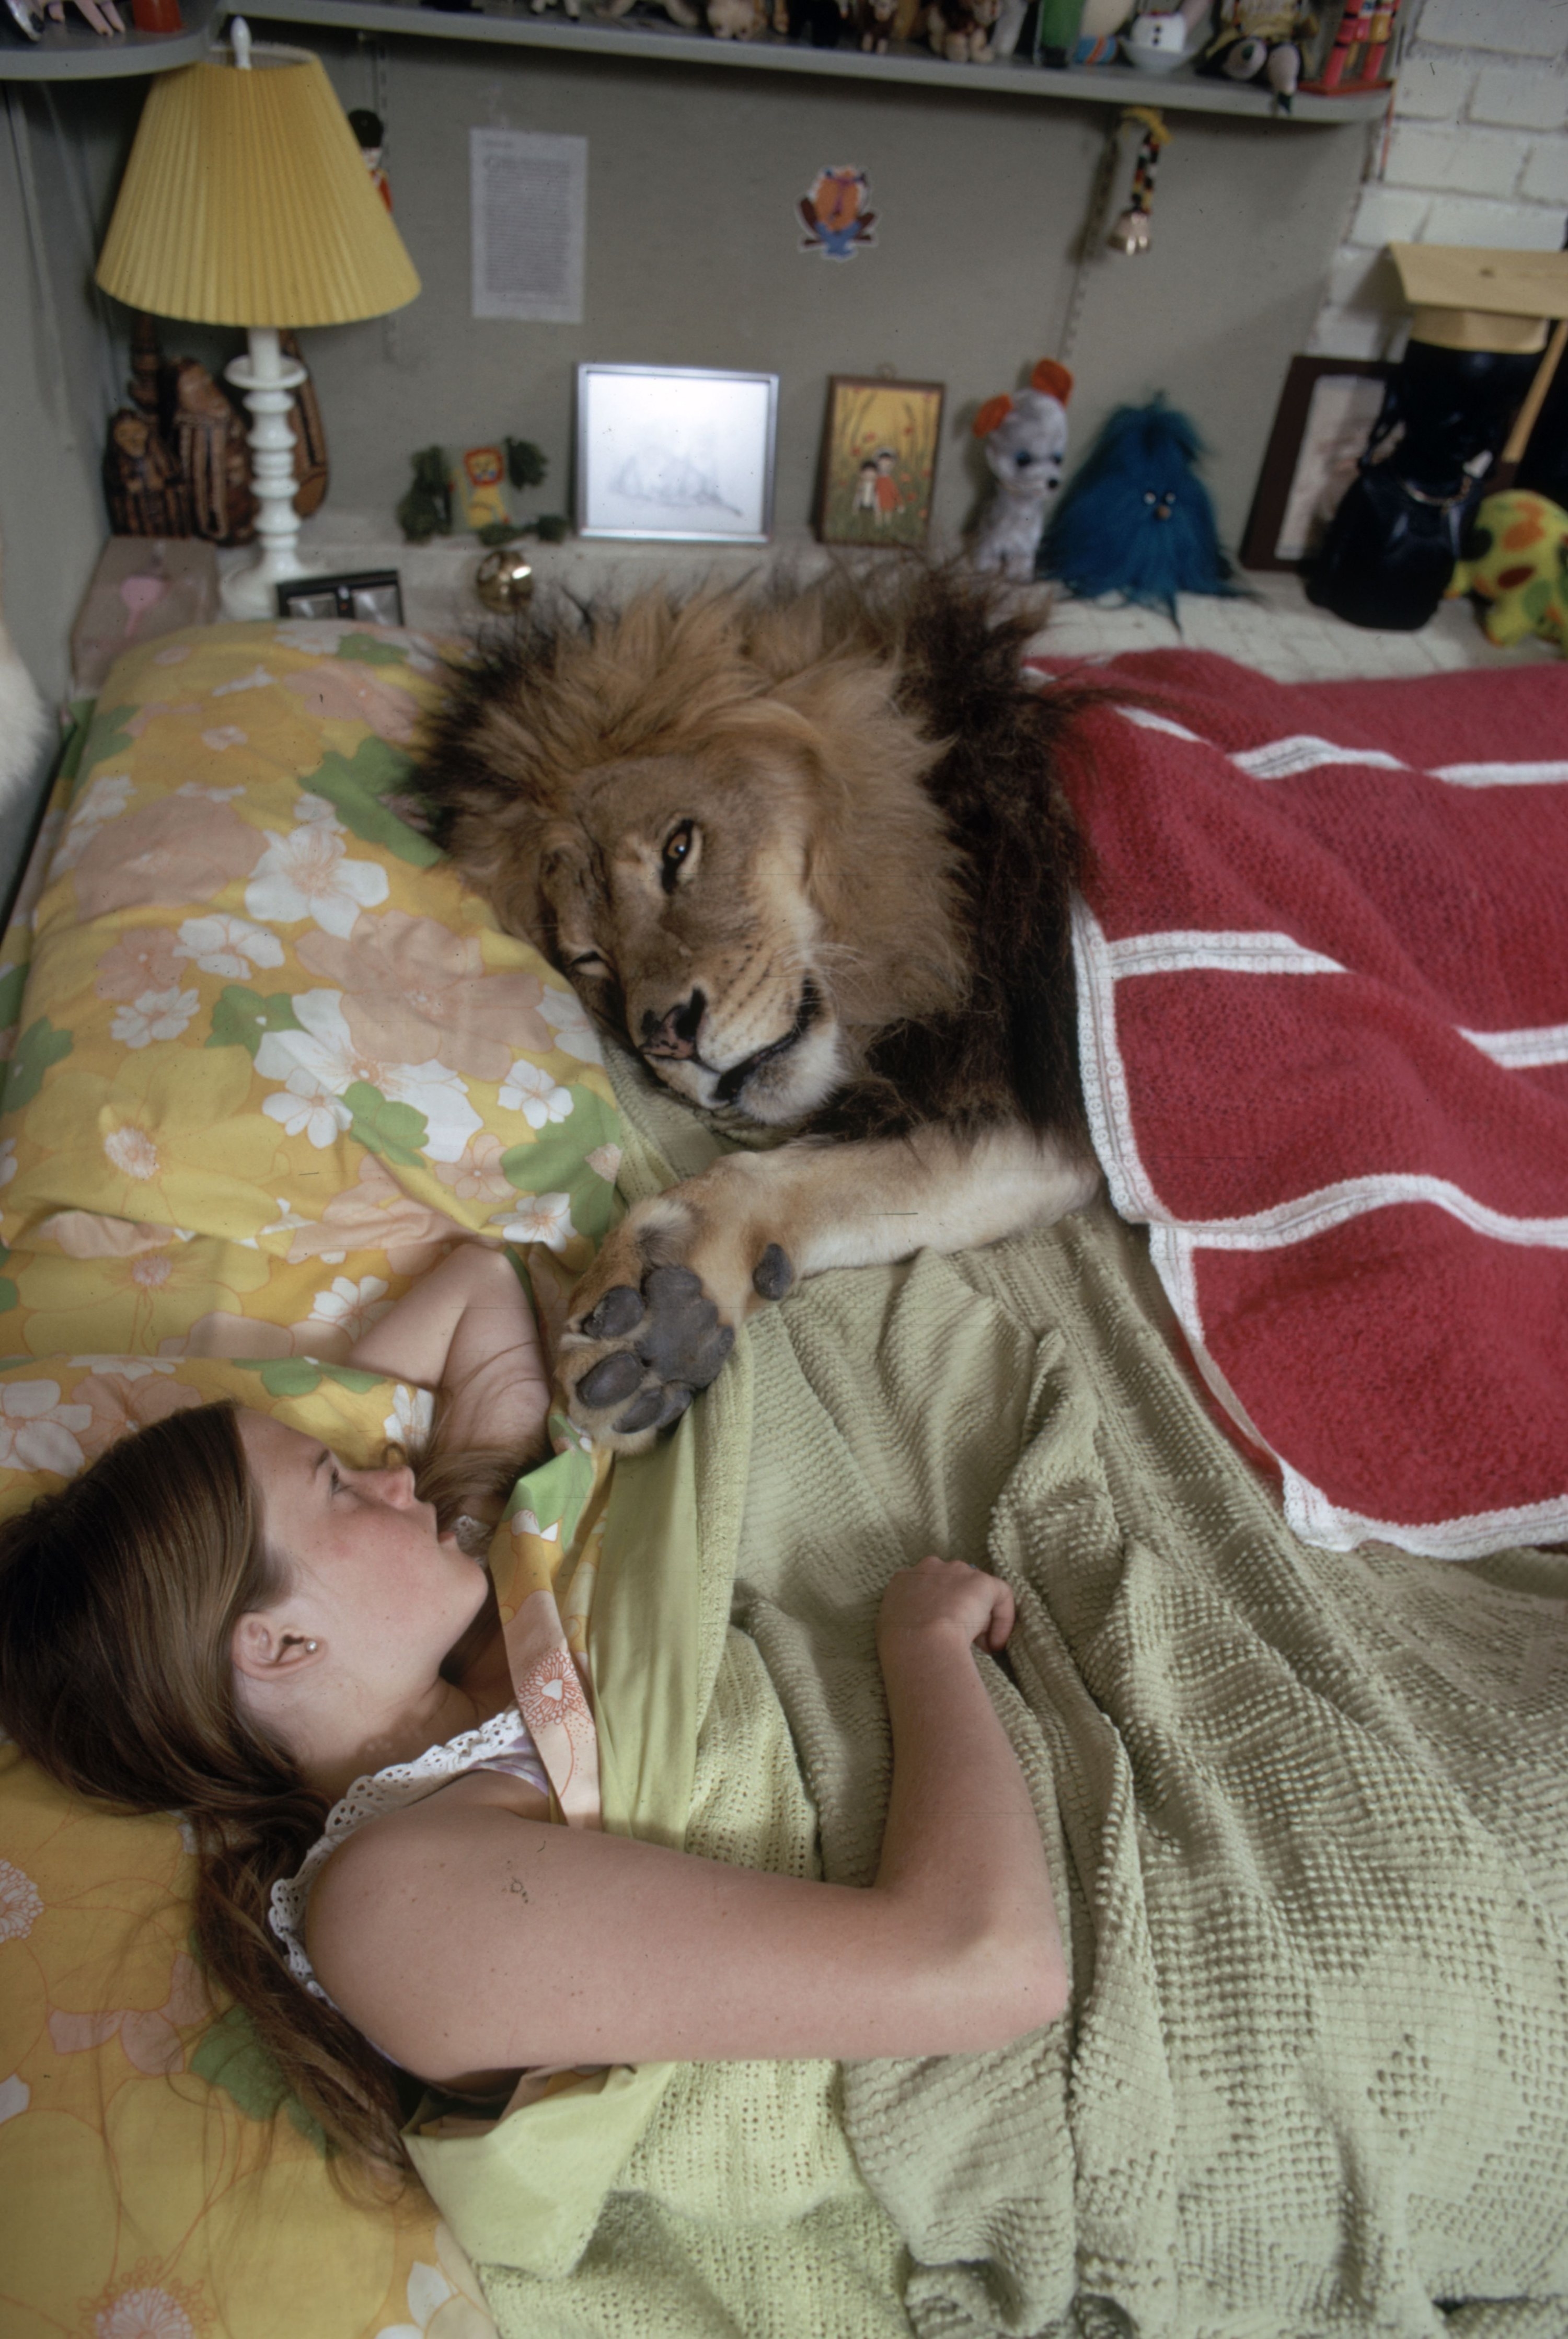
x=502 y=1743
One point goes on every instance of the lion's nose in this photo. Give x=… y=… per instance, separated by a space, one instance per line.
x=675 y=1034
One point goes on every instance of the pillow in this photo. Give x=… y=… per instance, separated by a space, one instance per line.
x=263 y=1019
x=159 y=2180
x=269 y=1060
x=164 y=2174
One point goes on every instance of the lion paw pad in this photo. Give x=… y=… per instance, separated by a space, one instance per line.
x=663 y=1343
x=773 y=1275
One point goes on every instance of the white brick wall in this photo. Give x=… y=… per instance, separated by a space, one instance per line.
x=1519 y=28
x=1477 y=153
x=1527 y=98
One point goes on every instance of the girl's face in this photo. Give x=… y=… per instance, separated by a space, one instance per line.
x=367 y=1578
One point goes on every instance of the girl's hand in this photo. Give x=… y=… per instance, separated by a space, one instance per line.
x=943 y=1596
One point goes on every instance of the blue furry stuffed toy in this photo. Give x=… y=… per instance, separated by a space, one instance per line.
x=1137 y=520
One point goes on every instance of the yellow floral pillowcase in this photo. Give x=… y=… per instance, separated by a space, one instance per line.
x=269 y=1059
x=155 y=2179
x=270 y=1056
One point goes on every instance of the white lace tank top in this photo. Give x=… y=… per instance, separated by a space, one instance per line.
x=502 y=1743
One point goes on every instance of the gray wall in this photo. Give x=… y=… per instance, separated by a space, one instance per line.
x=62 y=149
x=61 y=154
x=694 y=258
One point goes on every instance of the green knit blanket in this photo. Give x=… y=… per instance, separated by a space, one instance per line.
x=1306 y=1812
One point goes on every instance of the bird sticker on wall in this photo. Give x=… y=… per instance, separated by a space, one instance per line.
x=834 y=215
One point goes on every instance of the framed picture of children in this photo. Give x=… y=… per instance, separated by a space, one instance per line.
x=878 y=460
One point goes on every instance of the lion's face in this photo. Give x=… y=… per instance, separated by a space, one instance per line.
x=678 y=899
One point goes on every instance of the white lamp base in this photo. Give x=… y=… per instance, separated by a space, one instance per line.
x=269 y=381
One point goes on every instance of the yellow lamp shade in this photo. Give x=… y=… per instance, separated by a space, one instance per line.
x=246 y=201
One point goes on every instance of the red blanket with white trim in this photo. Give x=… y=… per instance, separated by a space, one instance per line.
x=1323 y=968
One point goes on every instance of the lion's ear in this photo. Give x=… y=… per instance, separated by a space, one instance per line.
x=1052 y=379
x=994 y=412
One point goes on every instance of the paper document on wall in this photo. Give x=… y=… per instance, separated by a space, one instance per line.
x=528 y=194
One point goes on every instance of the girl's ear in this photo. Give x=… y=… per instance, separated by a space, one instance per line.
x=260 y=1649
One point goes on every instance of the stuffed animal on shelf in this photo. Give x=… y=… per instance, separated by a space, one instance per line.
x=881 y=21
x=680 y=12
x=1515 y=560
x=821 y=23
x=1024 y=434
x=1098 y=22
x=737 y=20
x=960 y=30
x=1260 y=40
x=1137 y=520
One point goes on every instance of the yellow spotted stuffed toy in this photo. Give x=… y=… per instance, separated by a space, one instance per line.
x=1516 y=562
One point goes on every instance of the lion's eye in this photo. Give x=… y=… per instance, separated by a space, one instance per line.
x=587 y=963
x=679 y=853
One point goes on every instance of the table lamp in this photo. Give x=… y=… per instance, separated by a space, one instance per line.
x=246 y=201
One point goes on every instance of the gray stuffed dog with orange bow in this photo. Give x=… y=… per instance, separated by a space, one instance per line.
x=1024 y=433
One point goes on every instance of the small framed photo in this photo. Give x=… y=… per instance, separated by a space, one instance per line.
x=373 y=596
x=878 y=460
x=676 y=452
x=1321 y=427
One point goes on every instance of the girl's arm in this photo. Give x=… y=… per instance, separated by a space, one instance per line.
x=465 y=1939
x=467 y=1331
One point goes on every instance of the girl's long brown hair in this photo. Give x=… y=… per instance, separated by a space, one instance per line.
x=118 y=1599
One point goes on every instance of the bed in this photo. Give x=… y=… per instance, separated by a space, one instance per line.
x=1306 y=1807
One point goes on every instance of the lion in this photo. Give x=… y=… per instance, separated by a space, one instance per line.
x=799 y=847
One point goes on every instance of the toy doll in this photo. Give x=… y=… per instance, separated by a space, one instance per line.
x=960 y=30
x=736 y=20
x=1024 y=434
x=1515 y=560
x=1259 y=40
x=1137 y=519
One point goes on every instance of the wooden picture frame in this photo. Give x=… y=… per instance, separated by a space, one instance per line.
x=1313 y=449
x=879 y=450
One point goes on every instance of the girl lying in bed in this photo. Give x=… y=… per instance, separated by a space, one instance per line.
x=221 y=1617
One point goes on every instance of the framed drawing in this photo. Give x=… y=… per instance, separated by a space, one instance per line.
x=1321 y=426
x=675 y=451
x=878 y=460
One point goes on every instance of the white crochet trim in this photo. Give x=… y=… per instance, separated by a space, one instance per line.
x=382 y=1791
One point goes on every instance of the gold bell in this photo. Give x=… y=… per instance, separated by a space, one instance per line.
x=504 y=580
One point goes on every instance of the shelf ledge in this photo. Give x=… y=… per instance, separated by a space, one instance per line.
x=73 y=52
x=68 y=54
x=510 y=23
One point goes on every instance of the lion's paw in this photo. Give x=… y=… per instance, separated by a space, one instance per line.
x=633 y=1362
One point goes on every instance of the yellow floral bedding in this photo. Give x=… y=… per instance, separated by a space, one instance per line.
x=266 y=1061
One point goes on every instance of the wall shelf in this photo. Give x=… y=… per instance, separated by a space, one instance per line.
x=511 y=23
x=71 y=52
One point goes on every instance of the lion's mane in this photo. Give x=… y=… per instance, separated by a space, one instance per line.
x=942 y=855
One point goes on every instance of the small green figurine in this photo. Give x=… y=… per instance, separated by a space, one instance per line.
x=426 y=509
x=469 y=491
x=525 y=466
